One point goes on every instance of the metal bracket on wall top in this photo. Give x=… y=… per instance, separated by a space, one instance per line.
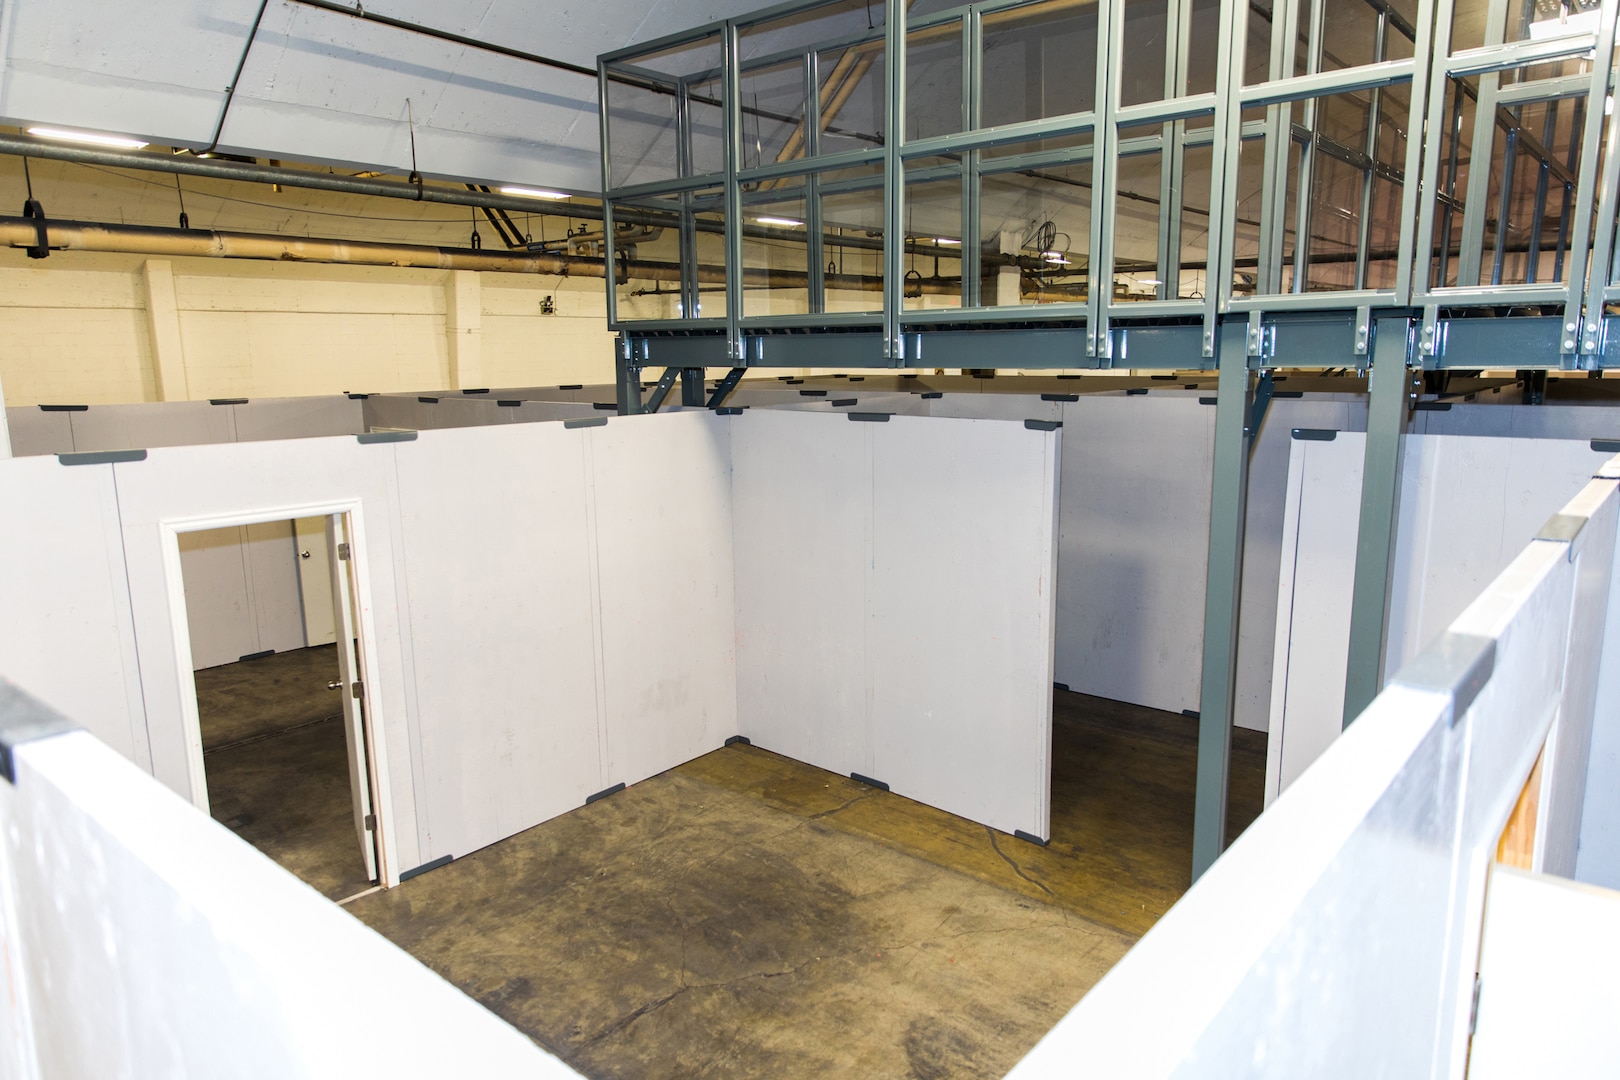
x=1363 y=330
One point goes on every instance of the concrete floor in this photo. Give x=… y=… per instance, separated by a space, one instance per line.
x=277 y=764
x=747 y=915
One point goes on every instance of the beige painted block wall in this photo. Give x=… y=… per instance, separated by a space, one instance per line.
x=76 y=330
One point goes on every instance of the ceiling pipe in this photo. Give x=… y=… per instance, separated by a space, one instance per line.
x=205 y=244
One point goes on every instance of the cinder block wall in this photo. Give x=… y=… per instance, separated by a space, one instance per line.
x=88 y=328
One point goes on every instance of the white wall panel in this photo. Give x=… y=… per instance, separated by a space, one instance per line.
x=66 y=633
x=894 y=598
x=35 y=431
x=1469 y=504
x=498 y=571
x=1598 y=858
x=1547 y=995
x=1263 y=541
x=149 y=425
x=297 y=418
x=182 y=483
x=219 y=608
x=1312 y=639
x=1568 y=751
x=272 y=564
x=661 y=513
x=1133 y=548
x=152 y=942
x=802 y=498
x=960 y=664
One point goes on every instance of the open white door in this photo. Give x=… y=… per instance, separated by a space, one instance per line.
x=315 y=580
x=351 y=676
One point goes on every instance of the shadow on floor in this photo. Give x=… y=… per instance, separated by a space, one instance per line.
x=277 y=764
x=748 y=915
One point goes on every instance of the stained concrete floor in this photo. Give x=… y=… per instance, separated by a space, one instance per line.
x=746 y=915
x=277 y=764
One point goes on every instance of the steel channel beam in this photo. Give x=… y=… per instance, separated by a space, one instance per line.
x=1228 y=503
x=1390 y=396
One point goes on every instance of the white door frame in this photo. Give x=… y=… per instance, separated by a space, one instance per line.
x=372 y=700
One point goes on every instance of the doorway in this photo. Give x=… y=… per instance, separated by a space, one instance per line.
x=272 y=620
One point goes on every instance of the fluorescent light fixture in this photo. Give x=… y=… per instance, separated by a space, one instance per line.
x=1580 y=22
x=784 y=221
x=534 y=193
x=119 y=142
x=1148 y=281
x=948 y=242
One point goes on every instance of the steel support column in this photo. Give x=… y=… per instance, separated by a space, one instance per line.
x=627 y=369
x=692 y=395
x=1228 y=502
x=1389 y=402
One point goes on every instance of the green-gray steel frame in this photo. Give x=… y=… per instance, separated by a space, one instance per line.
x=1234 y=397
x=1391 y=393
x=1419 y=321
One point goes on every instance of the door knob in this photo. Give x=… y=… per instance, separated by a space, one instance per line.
x=303 y=554
x=334 y=685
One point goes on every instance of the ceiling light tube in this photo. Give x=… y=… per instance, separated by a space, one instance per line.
x=535 y=193
x=787 y=222
x=948 y=242
x=118 y=142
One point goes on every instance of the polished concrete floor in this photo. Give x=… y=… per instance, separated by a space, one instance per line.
x=747 y=915
x=277 y=764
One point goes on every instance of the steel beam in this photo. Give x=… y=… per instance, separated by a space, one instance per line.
x=1390 y=397
x=1228 y=501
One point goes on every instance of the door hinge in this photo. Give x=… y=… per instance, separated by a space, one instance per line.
x=343 y=551
x=371 y=822
x=357 y=689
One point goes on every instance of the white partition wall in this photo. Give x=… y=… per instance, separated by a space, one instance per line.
x=1468 y=504
x=1318 y=570
x=183 y=488
x=961 y=616
x=549 y=610
x=1133 y=548
x=803 y=538
x=1340 y=935
x=661 y=512
x=496 y=554
x=894 y=593
x=39 y=431
x=66 y=631
x=142 y=939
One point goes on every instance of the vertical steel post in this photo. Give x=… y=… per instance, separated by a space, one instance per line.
x=731 y=100
x=692 y=387
x=628 y=376
x=1228 y=500
x=894 y=182
x=815 y=247
x=1389 y=400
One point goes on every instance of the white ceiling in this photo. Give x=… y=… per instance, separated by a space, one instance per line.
x=324 y=87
